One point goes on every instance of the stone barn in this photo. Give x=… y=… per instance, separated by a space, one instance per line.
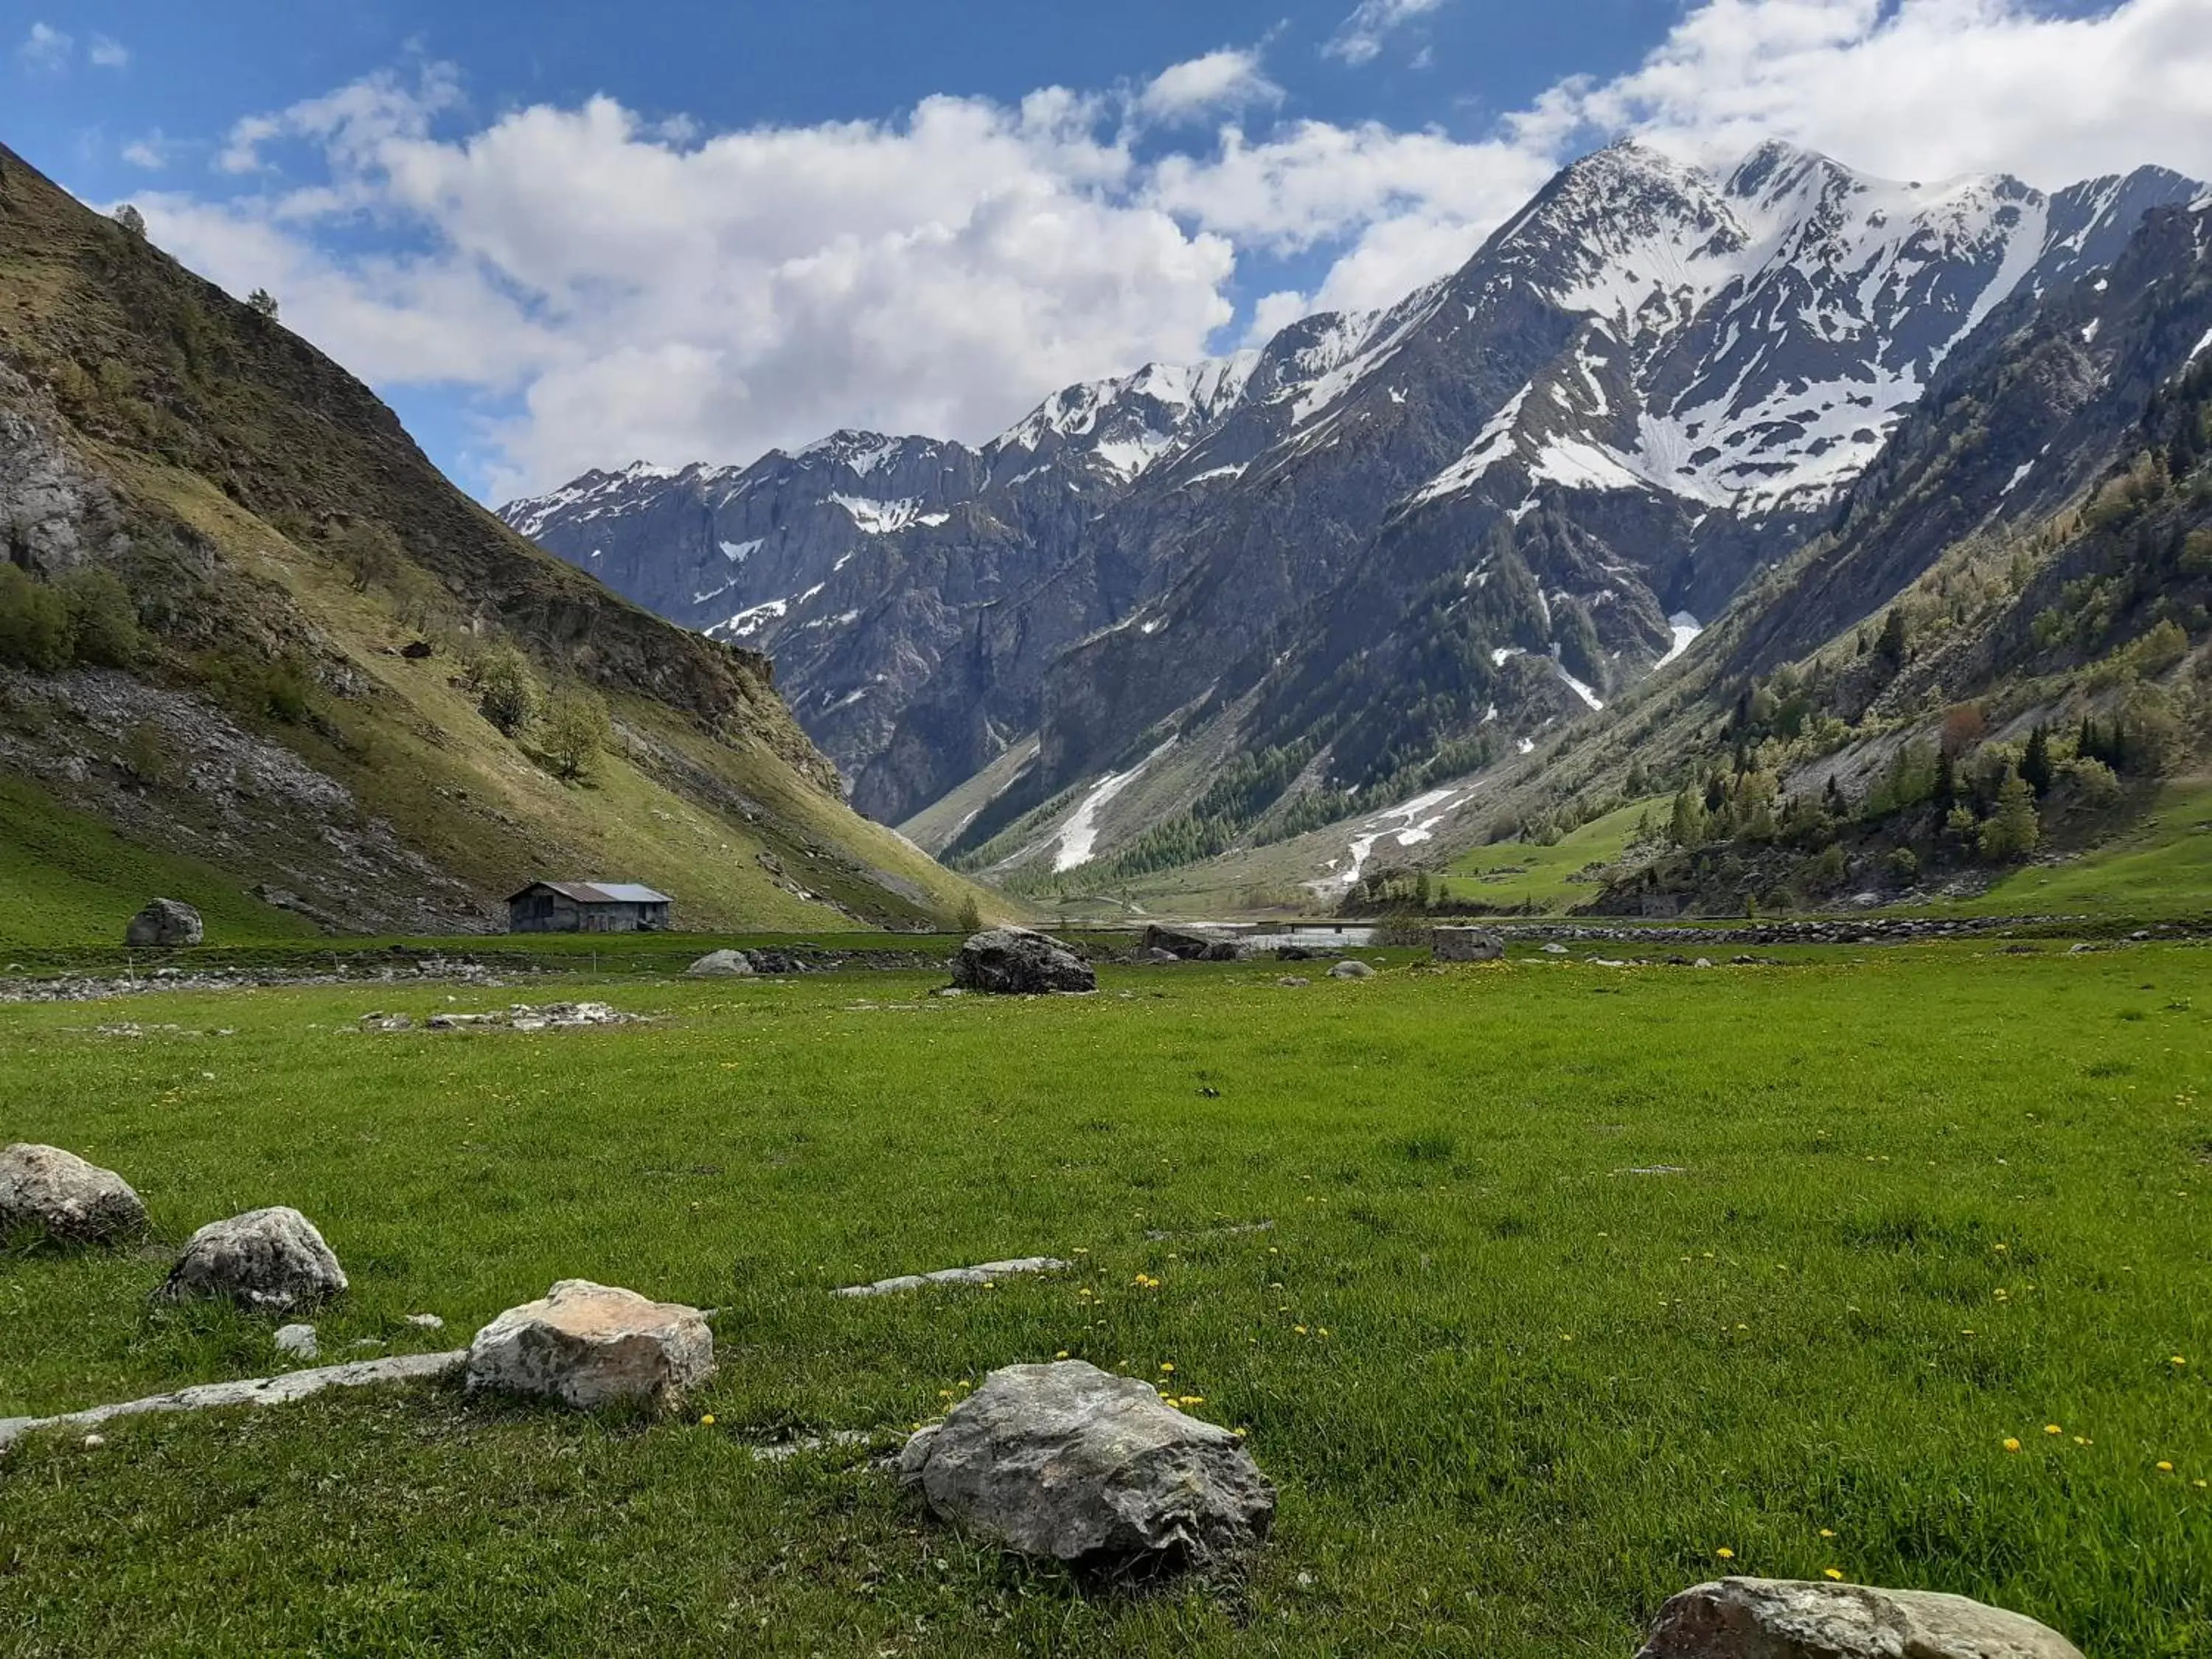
x=586 y=907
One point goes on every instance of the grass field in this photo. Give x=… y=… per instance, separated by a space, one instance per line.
x=1514 y=1390
x=1518 y=875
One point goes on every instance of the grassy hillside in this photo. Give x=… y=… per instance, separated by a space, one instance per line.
x=2161 y=866
x=1548 y=879
x=280 y=542
x=66 y=878
x=1577 y=1276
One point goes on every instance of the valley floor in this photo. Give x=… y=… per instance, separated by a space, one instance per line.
x=1573 y=1277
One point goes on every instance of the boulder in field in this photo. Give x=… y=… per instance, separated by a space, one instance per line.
x=1465 y=945
x=1017 y=962
x=61 y=1194
x=166 y=923
x=1349 y=969
x=1067 y=1461
x=1193 y=944
x=271 y=1258
x=587 y=1344
x=723 y=964
x=1786 y=1618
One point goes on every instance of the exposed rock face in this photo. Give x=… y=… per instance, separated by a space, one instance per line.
x=1016 y=961
x=723 y=964
x=1068 y=1461
x=589 y=1344
x=1782 y=1619
x=165 y=922
x=266 y=1259
x=58 y=1191
x=1466 y=944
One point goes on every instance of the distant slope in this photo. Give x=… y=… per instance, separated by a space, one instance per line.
x=291 y=688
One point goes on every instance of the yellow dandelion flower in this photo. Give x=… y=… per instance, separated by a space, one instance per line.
x=1300 y=1329
x=1827 y=1532
x=1836 y=1573
x=1725 y=1553
x=2011 y=1444
x=2165 y=1467
x=1168 y=1365
x=1062 y=1354
x=2177 y=1360
x=2052 y=1428
x=708 y=1421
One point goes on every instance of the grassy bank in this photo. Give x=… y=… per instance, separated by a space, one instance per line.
x=1577 y=1277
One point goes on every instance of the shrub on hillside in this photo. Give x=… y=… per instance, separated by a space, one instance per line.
x=34 y=624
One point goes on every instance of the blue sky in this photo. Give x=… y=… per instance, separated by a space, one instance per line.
x=563 y=235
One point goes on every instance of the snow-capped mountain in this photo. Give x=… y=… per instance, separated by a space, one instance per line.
x=1490 y=505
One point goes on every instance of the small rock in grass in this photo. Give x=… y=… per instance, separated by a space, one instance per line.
x=1555 y=949
x=1352 y=970
x=1288 y=979
x=1067 y=1461
x=94 y=1442
x=270 y=1259
x=1784 y=1619
x=59 y=1192
x=723 y=964
x=589 y=1344
x=297 y=1340
x=428 y=1321
x=1018 y=961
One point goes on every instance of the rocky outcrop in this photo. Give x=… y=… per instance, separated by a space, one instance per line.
x=1069 y=1462
x=1017 y=962
x=1466 y=944
x=586 y=1344
x=166 y=923
x=270 y=1259
x=58 y=1194
x=1784 y=1619
x=721 y=964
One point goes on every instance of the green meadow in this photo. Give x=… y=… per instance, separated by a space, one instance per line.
x=1535 y=1286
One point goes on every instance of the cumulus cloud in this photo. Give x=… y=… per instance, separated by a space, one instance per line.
x=107 y=52
x=46 y=47
x=1359 y=39
x=151 y=152
x=614 y=287
x=1230 y=79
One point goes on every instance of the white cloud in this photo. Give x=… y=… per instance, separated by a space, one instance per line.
x=46 y=47
x=1228 y=79
x=151 y=152
x=620 y=287
x=1358 y=39
x=107 y=52
x=1920 y=89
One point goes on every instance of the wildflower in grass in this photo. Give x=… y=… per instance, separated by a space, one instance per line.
x=1300 y=1329
x=1725 y=1553
x=2011 y=1444
x=1062 y=1354
x=2177 y=1360
x=708 y=1421
x=1827 y=1532
x=2052 y=1428
x=1168 y=1365
x=2165 y=1467
x=1834 y=1573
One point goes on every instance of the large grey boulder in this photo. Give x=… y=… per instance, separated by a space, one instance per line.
x=723 y=964
x=60 y=1193
x=1017 y=962
x=1786 y=1618
x=1465 y=945
x=587 y=1344
x=270 y=1259
x=165 y=922
x=1352 y=969
x=1069 y=1461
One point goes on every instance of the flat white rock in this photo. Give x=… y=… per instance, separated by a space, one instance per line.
x=591 y=1344
x=1792 y=1618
